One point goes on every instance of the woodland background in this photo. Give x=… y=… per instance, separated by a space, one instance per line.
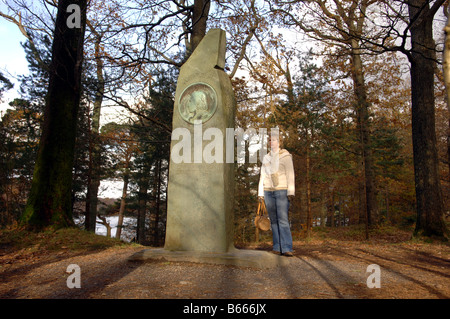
x=341 y=79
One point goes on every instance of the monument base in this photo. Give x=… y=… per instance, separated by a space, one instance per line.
x=236 y=257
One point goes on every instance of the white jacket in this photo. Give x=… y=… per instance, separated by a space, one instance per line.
x=277 y=173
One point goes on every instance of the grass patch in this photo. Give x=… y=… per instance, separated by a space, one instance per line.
x=379 y=233
x=72 y=239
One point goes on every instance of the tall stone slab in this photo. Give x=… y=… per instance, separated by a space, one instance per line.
x=200 y=193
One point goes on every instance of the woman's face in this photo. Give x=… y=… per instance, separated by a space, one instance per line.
x=274 y=143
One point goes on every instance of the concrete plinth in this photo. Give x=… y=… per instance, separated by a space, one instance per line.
x=236 y=257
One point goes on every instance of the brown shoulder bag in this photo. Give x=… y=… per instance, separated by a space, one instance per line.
x=262 y=220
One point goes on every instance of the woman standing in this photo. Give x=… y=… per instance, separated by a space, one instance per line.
x=276 y=187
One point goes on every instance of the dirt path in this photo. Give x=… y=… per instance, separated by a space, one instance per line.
x=324 y=270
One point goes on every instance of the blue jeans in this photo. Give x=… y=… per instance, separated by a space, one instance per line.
x=277 y=205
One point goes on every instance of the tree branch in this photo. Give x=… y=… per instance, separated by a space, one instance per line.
x=28 y=36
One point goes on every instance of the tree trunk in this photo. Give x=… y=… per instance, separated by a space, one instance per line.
x=446 y=67
x=362 y=115
x=94 y=149
x=330 y=207
x=290 y=86
x=142 y=208
x=106 y=224
x=386 y=190
x=361 y=199
x=199 y=18
x=429 y=199
x=122 y=203
x=308 y=190
x=50 y=202
x=157 y=190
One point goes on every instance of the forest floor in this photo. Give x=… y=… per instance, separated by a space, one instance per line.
x=331 y=265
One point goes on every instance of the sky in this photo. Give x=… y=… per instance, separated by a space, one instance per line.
x=12 y=57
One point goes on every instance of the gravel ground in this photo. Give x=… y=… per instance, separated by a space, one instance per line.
x=321 y=270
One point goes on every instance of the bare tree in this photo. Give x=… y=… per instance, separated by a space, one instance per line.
x=342 y=24
x=50 y=198
x=430 y=207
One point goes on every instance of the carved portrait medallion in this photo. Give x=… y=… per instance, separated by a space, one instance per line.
x=198 y=102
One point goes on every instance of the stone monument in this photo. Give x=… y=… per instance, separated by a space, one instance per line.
x=200 y=191
x=200 y=194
